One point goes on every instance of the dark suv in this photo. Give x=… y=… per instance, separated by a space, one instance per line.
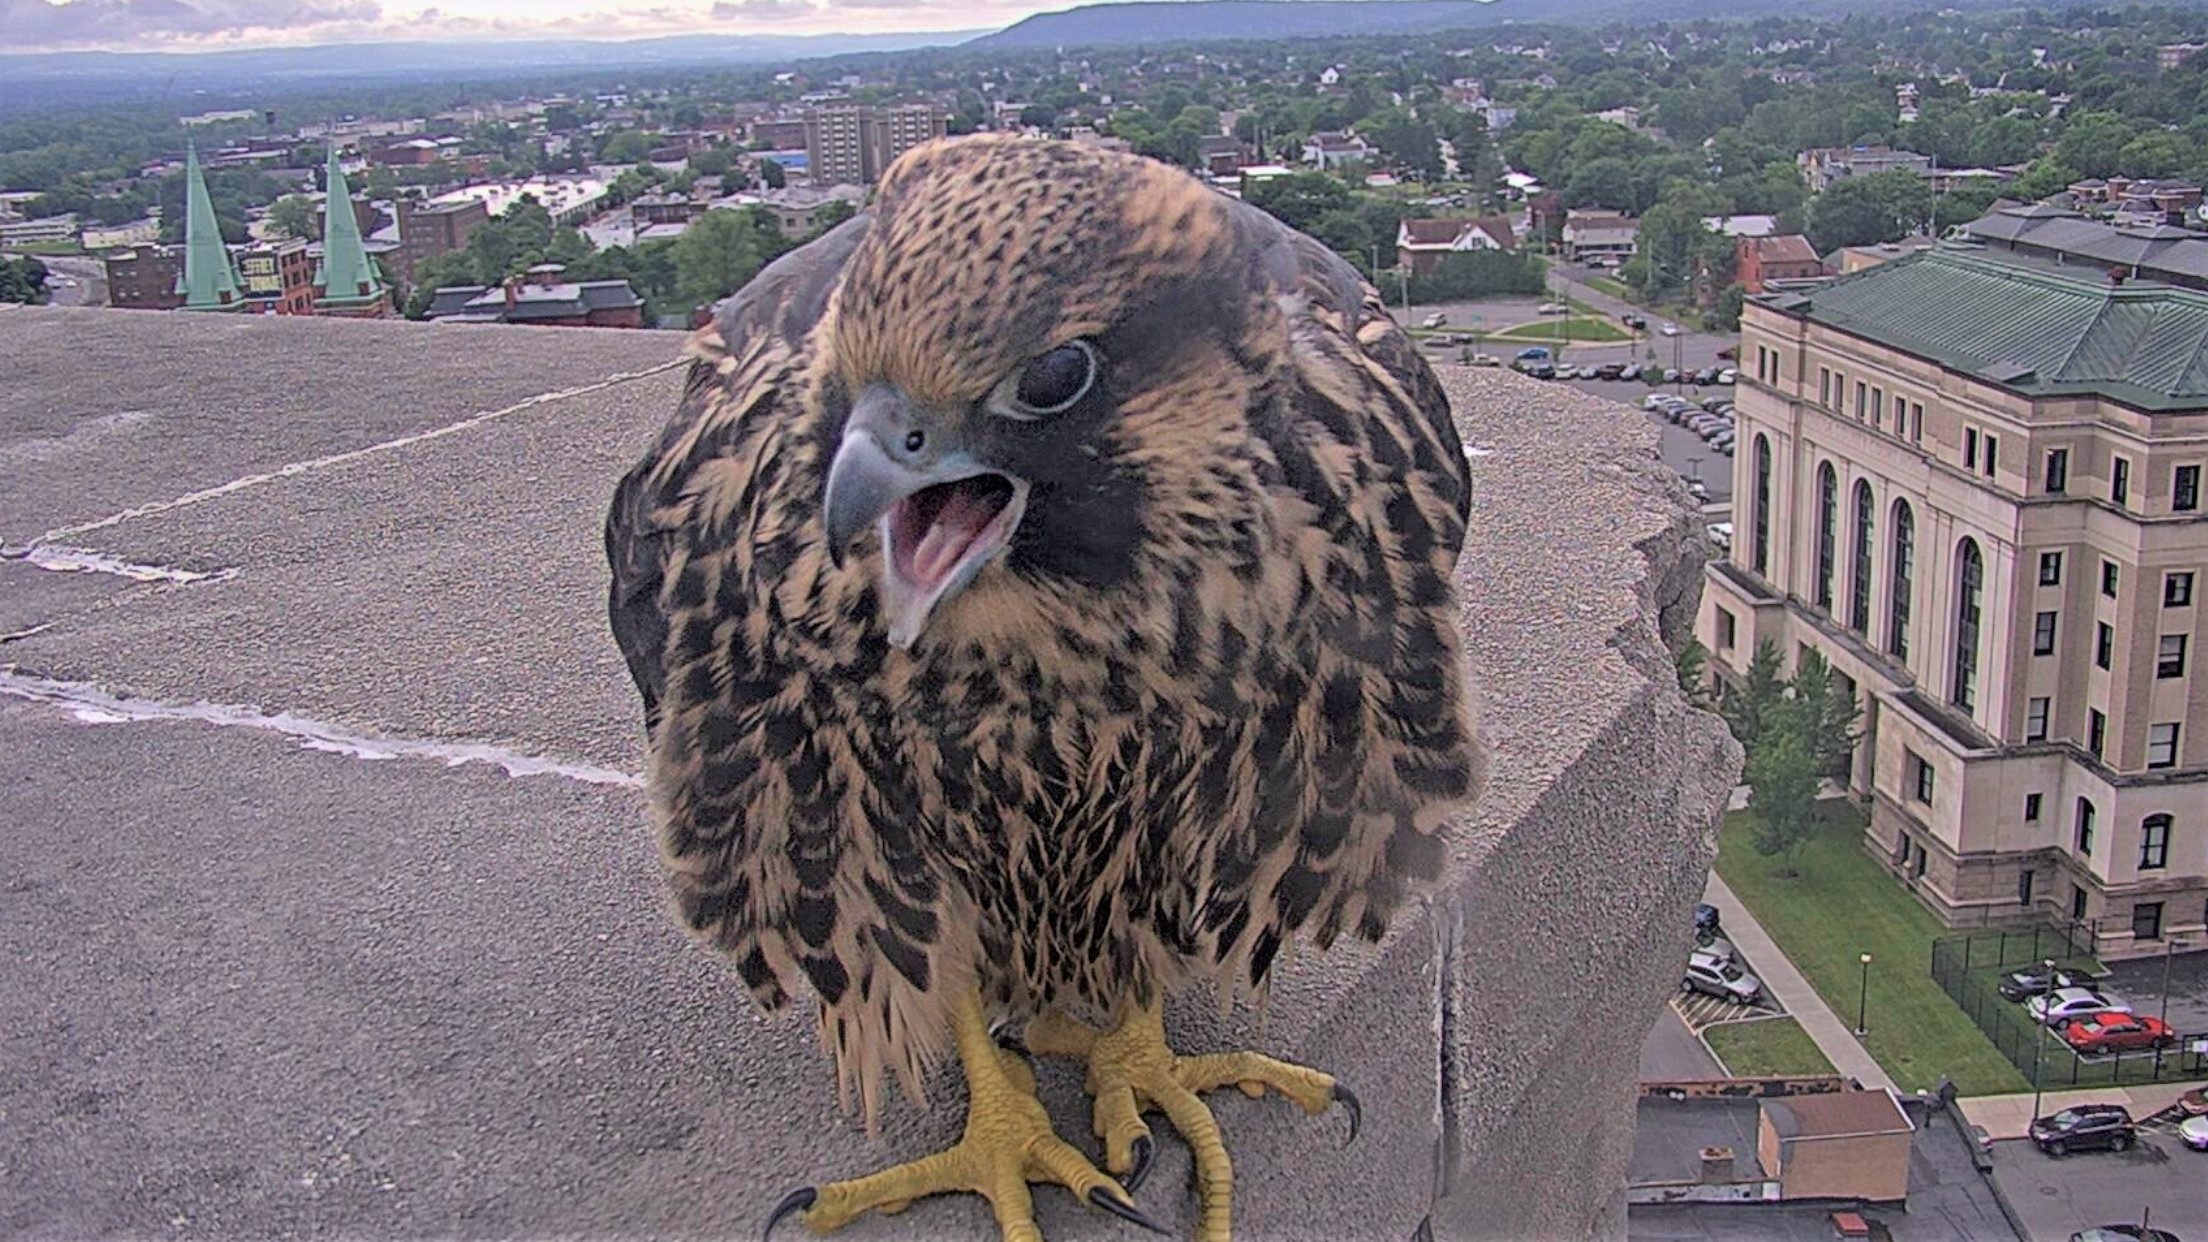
x=2084 y=1128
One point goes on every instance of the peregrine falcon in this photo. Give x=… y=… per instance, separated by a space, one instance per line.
x=1041 y=600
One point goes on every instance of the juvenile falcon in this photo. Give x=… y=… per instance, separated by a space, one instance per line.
x=1041 y=600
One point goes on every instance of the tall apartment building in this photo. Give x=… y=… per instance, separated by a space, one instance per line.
x=851 y=144
x=1973 y=481
x=427 y=230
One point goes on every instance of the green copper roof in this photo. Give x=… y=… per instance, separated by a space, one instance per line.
x=2029 y=326
x=347 y=277
x=210 y=279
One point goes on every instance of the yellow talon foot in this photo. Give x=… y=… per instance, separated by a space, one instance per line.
x=1007 y=1145
x=1131 y=1069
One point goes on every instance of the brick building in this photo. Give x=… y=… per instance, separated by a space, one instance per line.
x=427 y=230
x=1757 y=261
x=145 y=277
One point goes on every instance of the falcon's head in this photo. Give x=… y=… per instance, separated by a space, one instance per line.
x=1037 y=377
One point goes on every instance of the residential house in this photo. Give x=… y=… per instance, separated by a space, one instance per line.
x=1592 y=234
x=1759 y=261
x=1332 y=150
x=1421 y=244
x=542 y=298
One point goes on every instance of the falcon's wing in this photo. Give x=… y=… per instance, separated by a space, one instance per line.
x=761 y=330
x=1365 y=739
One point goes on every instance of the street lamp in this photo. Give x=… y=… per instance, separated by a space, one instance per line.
x=1863 y=997
x=2039 y=1034
x=2169 y=950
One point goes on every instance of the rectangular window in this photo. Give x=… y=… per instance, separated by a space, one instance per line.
x=2096 y=731
x=2104 y=645
x=2035 y=720
x=2031 y=808
x=1774 y=366
x=2024 y=887
x=2050 y=569
x=2185 y=489
x=2154 y=843
x=1970 y=448
x=2169 y=657
x=1920 y=778
x=2043 y=634
x=1878 y=407
x=2119 y=481
x=2085 y=828
x=1862 y=400
x=2146 y=921
x=2177 y=590
x=1916 y=422
x=1824 y=387
x=2058 y=471
x=2108 y=579
x=1993 y=452
x=2162 y=745
x=1726 y=630
x=2077 y=901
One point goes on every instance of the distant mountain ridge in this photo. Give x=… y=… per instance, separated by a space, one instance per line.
x=1190 y=21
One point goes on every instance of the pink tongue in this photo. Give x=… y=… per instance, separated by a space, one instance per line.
x=956 y=525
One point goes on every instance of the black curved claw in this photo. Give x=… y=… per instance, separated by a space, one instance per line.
x=1348 y=1099
x=1102 y=1198
x=796 y=1201
x=1144 y=1151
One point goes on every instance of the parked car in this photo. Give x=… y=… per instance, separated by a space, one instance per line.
x=1705 y=918
x=1630 y=371
x=2194 y=1103
x=1434 y=320
x=1610 y=371
x=1723 y=441
x=1486 y=360
x=2123 y=1233
x=1706 y=376
x=1654 y=402
x=1669 y=328
x=2194 y=1132
x=1728 y=376
x=1534 y=353
x=1541 y=371
x=2018 y=985
x=1631 y=320
x=2084 y=1127
x=2116 y=1032
x=1722 y=978
x=1714 y=945
x=2068 y=1003
x=1554 y=308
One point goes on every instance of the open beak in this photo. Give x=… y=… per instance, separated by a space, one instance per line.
x=941 y=515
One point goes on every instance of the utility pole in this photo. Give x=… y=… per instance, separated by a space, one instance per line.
x=2039 y=1035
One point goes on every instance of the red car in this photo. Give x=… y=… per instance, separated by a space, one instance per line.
x=2117 y=1032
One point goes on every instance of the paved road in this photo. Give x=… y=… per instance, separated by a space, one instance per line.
x=1673 y=1054
x=2054 y=1198
x=75 y=281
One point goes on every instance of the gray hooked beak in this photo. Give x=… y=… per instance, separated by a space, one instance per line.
x=893 y=450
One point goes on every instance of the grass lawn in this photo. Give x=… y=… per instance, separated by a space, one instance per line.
x=1615 y=288
x=1585 y=329
x=1843 y=904
x=49 y=249
x=1766 y=1047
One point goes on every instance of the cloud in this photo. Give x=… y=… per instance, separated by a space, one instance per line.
x=762 y=10
x=41 y=23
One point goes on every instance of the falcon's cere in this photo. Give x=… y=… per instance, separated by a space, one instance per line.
x=1041 y=600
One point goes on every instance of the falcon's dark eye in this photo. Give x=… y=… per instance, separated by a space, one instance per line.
x=1052 y=382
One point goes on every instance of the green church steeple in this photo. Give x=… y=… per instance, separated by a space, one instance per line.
x=348 y=281
x=210 y=279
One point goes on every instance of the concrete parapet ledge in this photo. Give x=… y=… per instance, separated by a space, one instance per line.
x=332 y=911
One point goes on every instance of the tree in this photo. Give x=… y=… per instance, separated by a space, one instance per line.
x=771 y=175
x=1783 y=780
x=1693 y=664
x=2042 y=177
x=722 y=250
x=1865 y=211
x=1748 y=708
x=1827 y=717
x=293 y=216
x=2093 y=142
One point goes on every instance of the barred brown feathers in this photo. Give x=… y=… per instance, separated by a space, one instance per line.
x=1208 y=696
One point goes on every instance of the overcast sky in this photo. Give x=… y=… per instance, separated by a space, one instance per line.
x=188 y=25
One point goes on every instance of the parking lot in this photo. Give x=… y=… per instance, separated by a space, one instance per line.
x=2140 y=983
x=2054 y=1198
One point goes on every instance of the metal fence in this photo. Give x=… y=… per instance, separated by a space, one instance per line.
x=1969 y=969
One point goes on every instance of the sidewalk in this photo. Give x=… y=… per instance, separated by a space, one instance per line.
x=2006 y=1116
x=1782 y=981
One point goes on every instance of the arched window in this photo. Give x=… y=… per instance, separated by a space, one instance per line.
x=1970 y=584
x=1900 y=569
x=1828 y=517
x=1859 y=596
x=1763 y=505
x=2154 y=842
